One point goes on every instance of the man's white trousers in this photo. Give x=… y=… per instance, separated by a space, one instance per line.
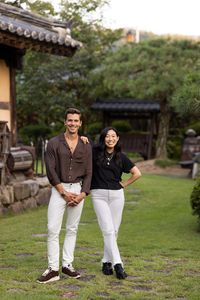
x=57 y=207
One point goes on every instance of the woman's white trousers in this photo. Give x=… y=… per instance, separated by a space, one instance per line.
x=108 y=206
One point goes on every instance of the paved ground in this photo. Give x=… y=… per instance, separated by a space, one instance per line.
x=148 y=166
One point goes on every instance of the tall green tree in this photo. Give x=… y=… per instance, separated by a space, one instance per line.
x=86 y=26
x=39 y=6
x=186 y=99
x=153 y=69
x=49 y=83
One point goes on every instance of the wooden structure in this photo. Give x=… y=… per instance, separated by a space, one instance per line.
x=21 y=30
x=19 y=159
x=4 y=149
x=143 y=119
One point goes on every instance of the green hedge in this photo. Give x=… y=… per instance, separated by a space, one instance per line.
x=34 y=131
x=195 y=199
x=122 y=125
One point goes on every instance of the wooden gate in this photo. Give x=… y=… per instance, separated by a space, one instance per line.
x=138 y=143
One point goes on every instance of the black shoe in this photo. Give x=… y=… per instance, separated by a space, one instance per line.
x=120 y=273
x=107 y=268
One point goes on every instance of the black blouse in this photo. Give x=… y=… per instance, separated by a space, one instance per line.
x=107 y=175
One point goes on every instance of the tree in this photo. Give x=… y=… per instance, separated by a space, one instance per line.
x=186 y=99
x=97 y=41
x=44 y=8
x=153 y=69
x=57 y=82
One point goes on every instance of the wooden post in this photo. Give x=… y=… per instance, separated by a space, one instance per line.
x=4 y=150
x=13 y=110
x=151 y=130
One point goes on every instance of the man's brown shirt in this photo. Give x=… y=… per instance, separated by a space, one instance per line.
x=63 y=166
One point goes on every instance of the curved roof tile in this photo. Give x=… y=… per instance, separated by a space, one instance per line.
x=126 y=105
x=22 y=29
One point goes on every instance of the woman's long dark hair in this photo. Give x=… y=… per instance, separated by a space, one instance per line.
x=101 y=147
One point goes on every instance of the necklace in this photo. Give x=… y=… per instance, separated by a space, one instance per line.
x=109 y=157
x=71 y=143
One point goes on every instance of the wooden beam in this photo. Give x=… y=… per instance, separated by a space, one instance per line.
x=4 y=105
x=21 y=42
x=13 y=110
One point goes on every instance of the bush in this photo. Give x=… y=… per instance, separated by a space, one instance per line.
x=174 y=148
x=195 y=199
x=93 y=130
x=34 y=131
x=196 y=127
x=163 y=163
x=122 y=125
x=134 y=156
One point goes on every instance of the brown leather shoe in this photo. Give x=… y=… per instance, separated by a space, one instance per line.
x=49 y=275
x=70 y=271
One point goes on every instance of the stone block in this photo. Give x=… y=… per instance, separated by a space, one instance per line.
x=6 y=194
x=16 y=207
x=33 y=186
x=29 y=203
x=3 y=210
x=17 y=176
x=43 y=196
x=42 y=181
x=21 y=191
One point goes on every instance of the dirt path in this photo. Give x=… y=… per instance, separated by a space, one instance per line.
x=148 y=166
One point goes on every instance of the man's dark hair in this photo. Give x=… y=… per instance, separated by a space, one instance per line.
x=72 y=110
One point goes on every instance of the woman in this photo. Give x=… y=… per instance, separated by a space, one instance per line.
x=108 y=195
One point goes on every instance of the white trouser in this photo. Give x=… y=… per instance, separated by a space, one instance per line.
x=56 y=209
x=108 y=206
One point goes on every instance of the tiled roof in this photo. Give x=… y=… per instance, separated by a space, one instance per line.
x=22 y=29
x=126 y=105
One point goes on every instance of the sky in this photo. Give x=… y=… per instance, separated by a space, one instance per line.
x=180 y=17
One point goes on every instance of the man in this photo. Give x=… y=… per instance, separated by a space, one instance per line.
x=69 y=170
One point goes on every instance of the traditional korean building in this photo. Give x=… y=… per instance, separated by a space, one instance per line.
x=21 y=30
x=143 y=117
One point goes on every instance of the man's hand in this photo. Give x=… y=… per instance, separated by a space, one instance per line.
x=77 y=199
x=69 y=197
x=84 y=139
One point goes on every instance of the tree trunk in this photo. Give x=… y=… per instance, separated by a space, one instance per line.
x=161 y=145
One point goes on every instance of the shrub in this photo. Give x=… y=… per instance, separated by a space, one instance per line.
x=196 y=127
x=165 y=163
x=134 y=156
x=34 y=131
x=122 y=125
x=174 y=148
x=94 y=129
x=195 y=199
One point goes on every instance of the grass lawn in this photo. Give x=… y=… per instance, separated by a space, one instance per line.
x=158 y=240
